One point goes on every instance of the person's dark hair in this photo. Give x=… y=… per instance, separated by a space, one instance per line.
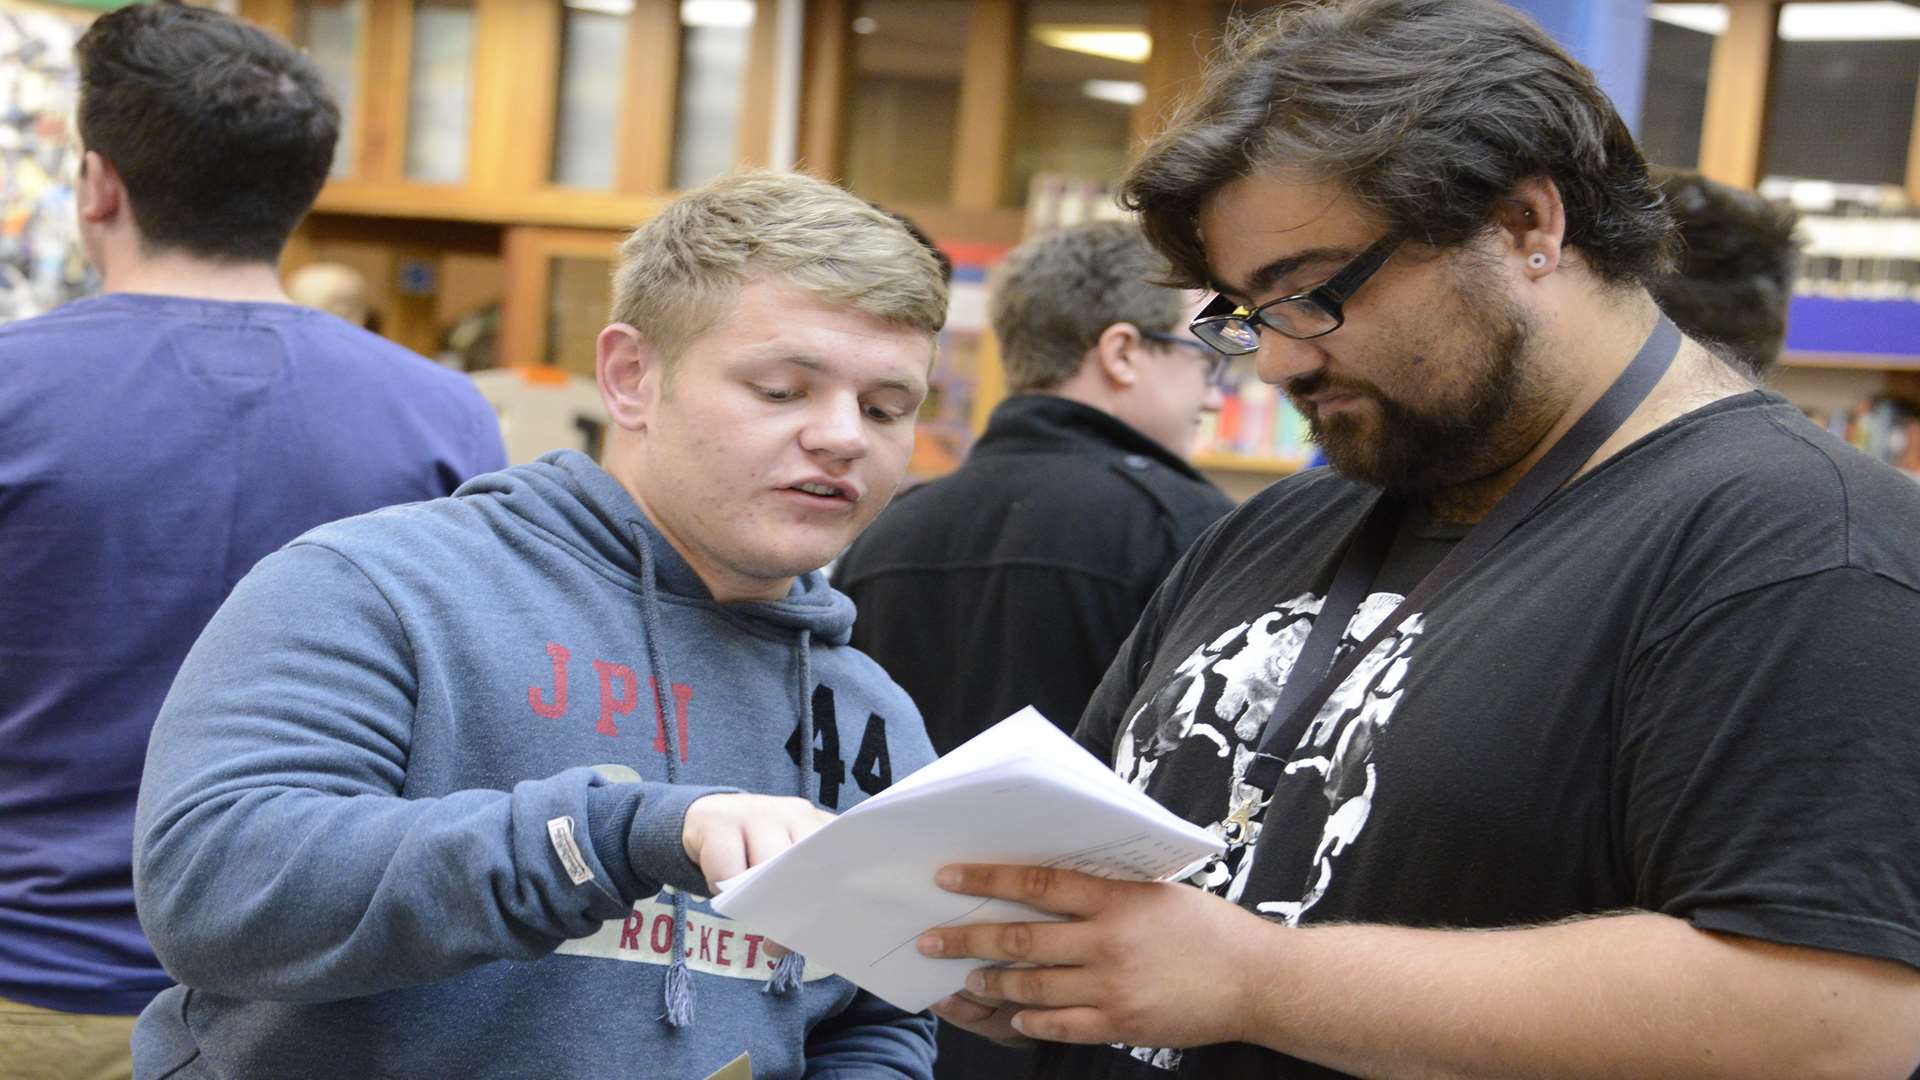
x=1427 y=111
x=939 y=256
x=222 y=133
x=1737 y=262
x=1056 y=294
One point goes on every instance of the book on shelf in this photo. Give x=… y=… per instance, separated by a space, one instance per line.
x=1255 y=421
x=1883 y=428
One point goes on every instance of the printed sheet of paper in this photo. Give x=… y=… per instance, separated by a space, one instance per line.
x=857 y=894
x=739 y=1068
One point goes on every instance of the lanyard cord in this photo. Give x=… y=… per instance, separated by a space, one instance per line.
x=1303 y=695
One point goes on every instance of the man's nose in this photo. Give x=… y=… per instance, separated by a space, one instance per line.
x=1282 y=359
x=836 y=427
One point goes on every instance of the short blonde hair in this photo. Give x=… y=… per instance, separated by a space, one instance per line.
x=679 y=273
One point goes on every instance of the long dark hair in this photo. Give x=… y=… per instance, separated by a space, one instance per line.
x=1426 y=111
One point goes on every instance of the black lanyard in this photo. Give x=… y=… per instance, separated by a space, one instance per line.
x=1303 y=695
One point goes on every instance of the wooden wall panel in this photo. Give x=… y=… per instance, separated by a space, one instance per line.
x=1733 y=130
x=984 y=140
x=387 y=47
x=515 y=87
x=653 y=80
x=277 y=16
x=523 y=298
x=1913 y=157
x=826 y=73
x=753 y=145
x=1181 y=32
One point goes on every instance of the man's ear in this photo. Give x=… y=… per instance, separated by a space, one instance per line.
x=1116 y=353
x=1533 y=226
x=629 y=371
x=99 y=194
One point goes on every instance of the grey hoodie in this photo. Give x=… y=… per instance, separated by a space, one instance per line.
x=412 y=808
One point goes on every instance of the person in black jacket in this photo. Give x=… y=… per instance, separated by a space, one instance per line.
x=1739 y=252
x=1015 y=580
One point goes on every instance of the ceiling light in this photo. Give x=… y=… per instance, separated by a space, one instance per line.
x=1118 y=91
x=604 y=7
x=1124 y=43
x=865 y=24
x=717 y=14
x=1876 y=20
x=1701 y=18
x=1849 y=22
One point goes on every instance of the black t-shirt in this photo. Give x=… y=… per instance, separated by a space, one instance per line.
x=1688 y=684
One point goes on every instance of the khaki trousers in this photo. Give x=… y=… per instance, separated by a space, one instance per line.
x=41 y=1044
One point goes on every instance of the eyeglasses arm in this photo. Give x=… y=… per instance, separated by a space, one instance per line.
x=1355 y=273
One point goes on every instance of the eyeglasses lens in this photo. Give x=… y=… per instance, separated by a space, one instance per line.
x=1300 y=319
x=1230 y=336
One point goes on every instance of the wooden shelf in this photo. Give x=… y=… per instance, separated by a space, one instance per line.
x=549 y=206
x=1248 y=463
x=1851 y=361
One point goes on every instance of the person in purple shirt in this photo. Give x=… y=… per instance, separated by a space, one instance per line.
x=155 y=442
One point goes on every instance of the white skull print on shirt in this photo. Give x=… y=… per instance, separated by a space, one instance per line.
x=1223 y=695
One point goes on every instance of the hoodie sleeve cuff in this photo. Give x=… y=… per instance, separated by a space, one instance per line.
x=636 y=830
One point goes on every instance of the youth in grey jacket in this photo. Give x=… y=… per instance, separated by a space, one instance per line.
x=412 y=808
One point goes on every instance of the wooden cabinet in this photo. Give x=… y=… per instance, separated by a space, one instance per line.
x=567 y=124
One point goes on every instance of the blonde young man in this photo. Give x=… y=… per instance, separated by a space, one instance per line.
x=439 y=789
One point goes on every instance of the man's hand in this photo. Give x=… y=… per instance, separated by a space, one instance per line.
x=1144 y=964
x=726 y=834
x=982 y=1016
x=1173 y=966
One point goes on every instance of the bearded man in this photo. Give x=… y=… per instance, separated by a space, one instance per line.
x=1565 y=727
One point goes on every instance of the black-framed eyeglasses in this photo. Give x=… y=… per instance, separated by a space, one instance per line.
x=1216 y=361
x=1235 y=330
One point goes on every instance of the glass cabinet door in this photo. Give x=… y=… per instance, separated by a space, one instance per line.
x=330 y=31
x=579 y=292
x=1679 y=53
x=593 y=61
x=1080 y=80
x=596 y=111
x=715 y=37
x=1857 y=66
x=904 y=98
x=440 y=91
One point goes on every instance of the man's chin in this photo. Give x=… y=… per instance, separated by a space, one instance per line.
x=796 y=561
x=1400 y=478
x=1357 y=460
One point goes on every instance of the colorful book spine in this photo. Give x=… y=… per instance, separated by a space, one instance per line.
x=1255 y=421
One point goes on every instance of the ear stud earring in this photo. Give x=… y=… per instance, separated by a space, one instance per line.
x=1537 y=260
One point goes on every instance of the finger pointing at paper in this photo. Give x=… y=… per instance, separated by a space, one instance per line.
x=726 y=834
x=857 y=894
x=1144 y=963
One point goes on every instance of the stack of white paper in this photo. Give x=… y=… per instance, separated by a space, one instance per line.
x=857 y=895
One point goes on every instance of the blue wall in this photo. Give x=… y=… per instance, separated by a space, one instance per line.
x=1609 y=36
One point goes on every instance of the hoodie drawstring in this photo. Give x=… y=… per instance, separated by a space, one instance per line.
x=679 y=989
x=787 y=973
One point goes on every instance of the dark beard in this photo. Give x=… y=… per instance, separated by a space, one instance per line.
x=1417 y=451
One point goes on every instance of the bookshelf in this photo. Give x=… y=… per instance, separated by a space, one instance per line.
x=1850 y=362
x=1263 y=464
x=560 y=149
